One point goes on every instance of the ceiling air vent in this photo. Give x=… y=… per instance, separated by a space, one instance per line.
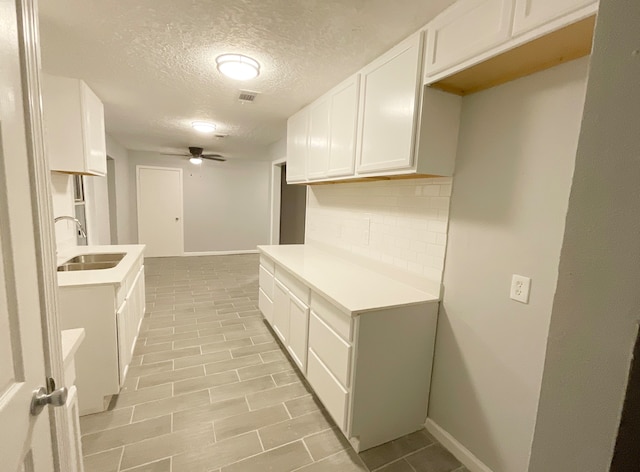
x=247 y=96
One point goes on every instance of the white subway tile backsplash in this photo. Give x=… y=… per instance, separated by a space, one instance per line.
x=406 y=222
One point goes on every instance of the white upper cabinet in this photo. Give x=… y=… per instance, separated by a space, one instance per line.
x=318 y=152
x=389 y=99
x=465 y=30
x=342 y=127
x=531 y=14
x=297 y=146
x=74 y=126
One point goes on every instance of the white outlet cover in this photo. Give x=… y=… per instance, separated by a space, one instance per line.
x=520 y=288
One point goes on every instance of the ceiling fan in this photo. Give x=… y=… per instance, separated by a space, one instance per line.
x=196 y=155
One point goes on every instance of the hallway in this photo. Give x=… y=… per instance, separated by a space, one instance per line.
x=210 y=390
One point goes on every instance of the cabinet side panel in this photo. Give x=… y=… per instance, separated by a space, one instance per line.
x=93 y=309
x=392 y=377
x=438 y=137
x=62 y=123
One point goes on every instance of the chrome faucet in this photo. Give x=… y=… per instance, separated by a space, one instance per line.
x=75 y=220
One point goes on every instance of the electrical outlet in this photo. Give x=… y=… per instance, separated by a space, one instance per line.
x=520 y=287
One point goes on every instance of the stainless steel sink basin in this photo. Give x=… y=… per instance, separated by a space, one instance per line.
x=90 y=258
x=73 y=266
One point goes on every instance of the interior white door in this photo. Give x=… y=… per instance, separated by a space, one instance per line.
x=160 y=224
x=25 y=439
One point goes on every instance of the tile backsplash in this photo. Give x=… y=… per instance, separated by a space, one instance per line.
x=399 y=223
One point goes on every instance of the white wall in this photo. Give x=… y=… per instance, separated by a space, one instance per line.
x=62 y=198
x=96 y=195
x=226 y=204
x=597 y=308
x=278 y=150
x=514 y=167
x=399 y=223
x=125 y=220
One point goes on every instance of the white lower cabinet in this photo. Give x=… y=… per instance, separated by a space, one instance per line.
x=371 y=370
x=333 y=395
x=111 y=315
x=298 y=331
x=281 y=311
x=73 y=423
x=128 y=318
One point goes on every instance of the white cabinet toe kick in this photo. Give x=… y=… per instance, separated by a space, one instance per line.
x=371 y=368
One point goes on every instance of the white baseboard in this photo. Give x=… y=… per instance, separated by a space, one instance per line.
x=461 y=453
x=221 y=253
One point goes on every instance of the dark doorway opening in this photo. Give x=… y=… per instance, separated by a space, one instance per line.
x=626 y=455
x=293 y=207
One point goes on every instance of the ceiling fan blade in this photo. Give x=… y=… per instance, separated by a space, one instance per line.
x=213 y=157
x=171 y=154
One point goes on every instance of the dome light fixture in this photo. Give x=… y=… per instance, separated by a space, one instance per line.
x=196 y=160
x=238 y=67
x=203 y=126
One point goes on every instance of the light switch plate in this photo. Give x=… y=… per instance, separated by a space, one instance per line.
x=520 y=287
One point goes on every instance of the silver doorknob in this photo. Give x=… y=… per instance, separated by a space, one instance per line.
x=41 y=399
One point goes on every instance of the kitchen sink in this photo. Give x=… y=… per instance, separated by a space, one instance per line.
x=94 y=258
x=73 y=266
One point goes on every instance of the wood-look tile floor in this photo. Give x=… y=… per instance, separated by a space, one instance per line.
x=209 y=389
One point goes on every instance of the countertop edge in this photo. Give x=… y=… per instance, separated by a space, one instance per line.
x=352 y=311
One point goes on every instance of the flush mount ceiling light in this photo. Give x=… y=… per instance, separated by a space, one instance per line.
x=203 y=126
x=196 y=160
x=238 y=67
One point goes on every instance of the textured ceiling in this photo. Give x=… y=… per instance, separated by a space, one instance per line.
x=152 y=62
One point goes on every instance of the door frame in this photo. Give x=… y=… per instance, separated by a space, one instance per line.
x=276 y=182
x=46 y=257
x=179 y=169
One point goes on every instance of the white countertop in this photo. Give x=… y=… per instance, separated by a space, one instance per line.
x=111 y=276
x=356 y=289
x=71 y=340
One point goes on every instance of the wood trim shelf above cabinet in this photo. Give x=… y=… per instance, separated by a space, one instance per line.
x=566 y=44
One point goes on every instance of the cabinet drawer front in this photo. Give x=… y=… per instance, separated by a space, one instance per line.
x=333 y=395
x=266 y=281
x=334 y=351
x=266 y=306
x=294 y=285
x=340 y=322
x=465 y=30
x=298 y=332
x=267 y=263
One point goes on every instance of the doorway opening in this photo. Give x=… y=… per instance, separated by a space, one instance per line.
x=293 y=207
x=626 y=455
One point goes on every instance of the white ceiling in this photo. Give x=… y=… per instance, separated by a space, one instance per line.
x=152 y=62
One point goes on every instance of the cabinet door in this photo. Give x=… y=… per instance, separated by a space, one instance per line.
x=318 y=153
x=343 y=124
x=266 y=306
x=530 y=14
x=298 y=331
x=124 y=353
x=281 y=311
x=297 y=146
x=390 y=92
x=95 y=148
x=466 y=29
